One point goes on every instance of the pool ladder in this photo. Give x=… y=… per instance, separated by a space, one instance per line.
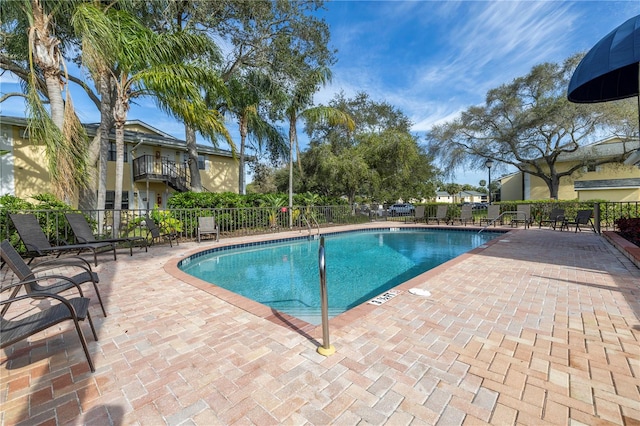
x=311 y=236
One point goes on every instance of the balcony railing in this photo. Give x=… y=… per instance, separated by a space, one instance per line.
x=160 y=169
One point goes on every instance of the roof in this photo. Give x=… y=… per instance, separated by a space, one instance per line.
x=149 y=128
x=586 y=185
x=153 y=137
x=605 y=148
x=509 y=175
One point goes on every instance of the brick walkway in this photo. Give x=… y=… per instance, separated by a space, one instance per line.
x=539 y=327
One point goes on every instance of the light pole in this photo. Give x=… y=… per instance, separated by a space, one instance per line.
x=489 y=163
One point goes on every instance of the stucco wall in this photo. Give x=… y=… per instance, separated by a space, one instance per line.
x=630 y=194
x=566 y=191
x=511 y=187
x=222 y=175
x=31 y=175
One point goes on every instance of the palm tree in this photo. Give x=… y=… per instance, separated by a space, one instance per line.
x=32 y=52
x=246 y=92
x=299 y=105
x=143 y=63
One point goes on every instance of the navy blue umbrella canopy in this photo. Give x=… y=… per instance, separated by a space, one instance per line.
x=609 y=71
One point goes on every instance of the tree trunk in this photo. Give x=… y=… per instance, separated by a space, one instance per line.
x=87 y=196
x=554 y=186
x=292 y=138
x=117 y=201
x=244 y=129
x=120 y=117
x=46 y=56
x=56 y=103
x=93 y=196
x=192 y=153
x=108 y=85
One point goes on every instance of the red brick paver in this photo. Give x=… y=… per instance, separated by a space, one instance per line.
x=538 y=327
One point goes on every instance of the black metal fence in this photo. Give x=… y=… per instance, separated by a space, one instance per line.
x=250 y=221
x=184 y=222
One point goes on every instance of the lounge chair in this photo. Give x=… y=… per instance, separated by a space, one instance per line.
x=207 y=226
x=84 y=234
x=583 y=217
x=556 y=217
x=418 y=214
x=523 y=215
x=441 y=214
x=37 y=244
x=75 y=309
x=36 y=281
x=156 y=234
x=493 y=213
x=466 y=215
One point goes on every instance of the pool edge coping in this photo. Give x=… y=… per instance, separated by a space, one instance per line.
x=339 y=321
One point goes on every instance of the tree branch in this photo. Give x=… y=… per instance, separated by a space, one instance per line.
x=92 y=95
x=12 y=94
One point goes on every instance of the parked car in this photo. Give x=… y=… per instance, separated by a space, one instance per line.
x=401 y=209
x=480 y=206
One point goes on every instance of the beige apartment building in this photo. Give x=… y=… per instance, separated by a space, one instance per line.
x=610 y=182
x=155 y=165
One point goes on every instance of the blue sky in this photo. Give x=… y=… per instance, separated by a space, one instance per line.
x=430 y=59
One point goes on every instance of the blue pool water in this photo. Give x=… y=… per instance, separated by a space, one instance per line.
x=360 y=266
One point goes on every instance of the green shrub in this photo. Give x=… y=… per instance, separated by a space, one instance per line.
x=166 y=222
x=10 y=204
x=210 y=200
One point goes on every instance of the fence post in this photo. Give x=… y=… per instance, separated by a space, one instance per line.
x=596 y=217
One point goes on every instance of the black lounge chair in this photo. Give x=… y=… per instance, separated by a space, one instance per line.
x=522 y=216
x=156 y=234
x=556 y=217
x=35 y=282
x=493 y=215
x=466 y=215
x=37 y=243
x=583 y=217
x=84 y=234
x=207 y=226
x=15 y=330
x=441 y=214
x=418 y=214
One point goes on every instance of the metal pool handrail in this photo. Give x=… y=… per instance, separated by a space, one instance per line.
x=306 y=220
x=326 y=349
x=500 y=217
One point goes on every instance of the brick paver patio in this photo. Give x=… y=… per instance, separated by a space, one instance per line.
x=538 y=327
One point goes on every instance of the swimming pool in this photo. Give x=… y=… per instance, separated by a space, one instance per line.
x=360 y=265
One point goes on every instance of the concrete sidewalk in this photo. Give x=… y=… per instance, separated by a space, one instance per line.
x=539 y=327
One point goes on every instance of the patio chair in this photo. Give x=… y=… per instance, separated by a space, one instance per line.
x=37 y=244
x=523 y=216
x=84 y=234
x=493 y=214
x=583 y=217
x=207 y=226
x=157 y=234
x=21 y=327
x=34 y=281
x=418 y=214
x=466 y=215
x=441 y=214
x=556 y=217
